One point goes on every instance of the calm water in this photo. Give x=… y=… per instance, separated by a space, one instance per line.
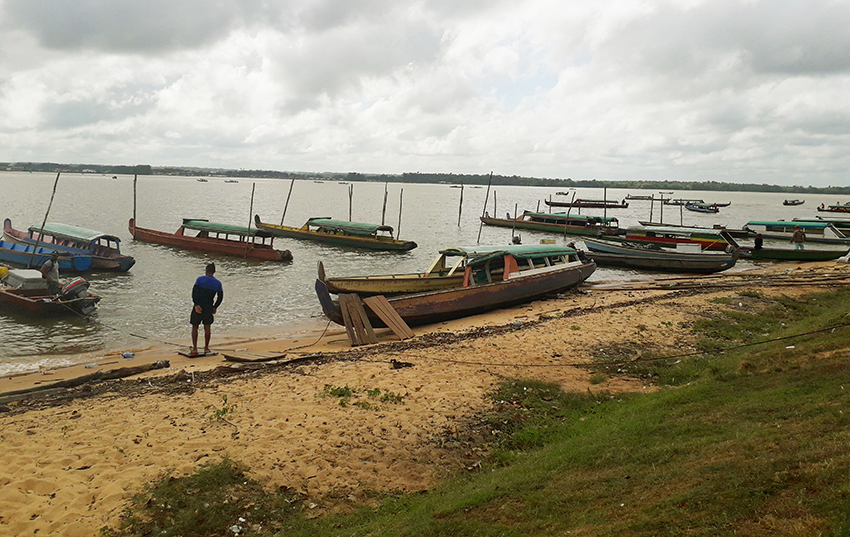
x=151 y=302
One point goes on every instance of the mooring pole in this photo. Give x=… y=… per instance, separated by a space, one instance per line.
x=287 y=201
x=43 y=222
x=484 y=211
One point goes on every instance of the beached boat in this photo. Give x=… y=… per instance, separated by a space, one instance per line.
x=447 y=270
x=837 y=208
x=340 y=233
x=790 y=254
x=589 y=204
x=702 y=208
x=793 y=202
x=823 y=232
x=670 y=236
x=104 y=249
x=654 y=258
x=25 y=291
x=482 y=290
x=563 y=223
x=21 y=255
x=212 y=238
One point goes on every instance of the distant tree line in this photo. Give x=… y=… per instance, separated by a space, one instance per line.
x=417 y=177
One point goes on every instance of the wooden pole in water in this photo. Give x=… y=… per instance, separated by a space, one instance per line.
x=287 y=201
x=41 y=231
x=460 y=205
x=495 y=213
x=135 y=179
x=604 y=203
x=248 y=239
x=538 y=206
x=384 y=210
x=400 y=199
x=651 y=205
x=350 y=200
x=484 y=210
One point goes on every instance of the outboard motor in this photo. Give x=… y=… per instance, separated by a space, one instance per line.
x=76 y=289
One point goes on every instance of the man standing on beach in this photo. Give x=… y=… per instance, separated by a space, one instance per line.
x=207 y=295
x=798 y=238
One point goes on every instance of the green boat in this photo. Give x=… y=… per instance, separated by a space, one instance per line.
x=562 y=223
x=340 y=233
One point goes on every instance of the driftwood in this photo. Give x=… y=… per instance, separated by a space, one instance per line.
x=94 y=377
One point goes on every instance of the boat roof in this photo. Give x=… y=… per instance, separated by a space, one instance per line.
x=789 y=223
x=585 y=217
x=520 y=251
x=355 y=228
x=205 y=225
x=675 y=229
x=67 y=231
x=829 y=219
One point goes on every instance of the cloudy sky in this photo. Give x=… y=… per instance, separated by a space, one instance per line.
x=745 y=91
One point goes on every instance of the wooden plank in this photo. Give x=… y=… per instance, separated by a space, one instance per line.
x=252 y=356
x=357 y=324
x=383 y=309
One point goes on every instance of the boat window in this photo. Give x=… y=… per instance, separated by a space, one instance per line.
x=547 y=261
x=455 y=266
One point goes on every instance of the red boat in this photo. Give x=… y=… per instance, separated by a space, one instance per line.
x=212 y=238
x=25 y=291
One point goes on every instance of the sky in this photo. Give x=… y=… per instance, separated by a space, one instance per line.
x=734 y=91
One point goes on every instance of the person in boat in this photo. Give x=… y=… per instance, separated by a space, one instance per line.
x=50 y=272
x=581 y=255
x=759 y=242
x=798 y=238
x=207 y=295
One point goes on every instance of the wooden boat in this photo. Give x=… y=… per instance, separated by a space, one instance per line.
x=793 y=202
x=212 y=238
x=842 y=223
x=563 y=223
x=823 y=232
x=837 y=208
x=652 y=257
x=202 y=180
x=589 y=204
x=446 y=272
x=480 y=292
x=340 y=233
x=682 y=201
x=715 y=228
x=670 y=236
x=25 y=291
x=789 y=254
x=639 y=197
x=21 y=255
x=104 y=249
x=702 y=208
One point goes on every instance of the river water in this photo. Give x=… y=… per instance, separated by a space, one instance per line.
x=151 y=302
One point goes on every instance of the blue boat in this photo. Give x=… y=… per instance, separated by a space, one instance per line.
x=21 y=255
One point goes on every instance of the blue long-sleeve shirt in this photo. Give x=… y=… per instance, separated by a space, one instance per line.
x=207 y=292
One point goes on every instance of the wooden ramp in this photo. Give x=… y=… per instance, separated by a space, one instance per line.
x=383 y=309
x=357 y=324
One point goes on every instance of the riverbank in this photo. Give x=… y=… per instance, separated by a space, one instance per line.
x=71 y=463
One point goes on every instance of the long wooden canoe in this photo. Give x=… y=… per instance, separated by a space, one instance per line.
x=212 y=238
x=562 y=223
x=340 y=233
x=656 y=259
x=480 y=292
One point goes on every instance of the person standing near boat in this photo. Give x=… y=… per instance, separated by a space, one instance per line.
x=759 y=242
x=798 y=238
x=50 y=272
x=207 y=295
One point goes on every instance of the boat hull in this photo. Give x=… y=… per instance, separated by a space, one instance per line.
x=563 y=229
x=587 y=204
x=336 y=240
x=22 y=255
x=789 y=254
x=426 y=308
x=619 y=255
x=260 y=252
x=393 y=284
x=36 y=302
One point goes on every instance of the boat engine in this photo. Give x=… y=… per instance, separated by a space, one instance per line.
x=76 y=288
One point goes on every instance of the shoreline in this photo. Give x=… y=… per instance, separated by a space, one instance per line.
x=72 y=463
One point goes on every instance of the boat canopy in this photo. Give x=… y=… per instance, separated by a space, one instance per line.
x=788 y=224
x=481 y=254
x=76 y=233
x=353 y=228
x=212 y=227
x=676 y=230
x=573 y=216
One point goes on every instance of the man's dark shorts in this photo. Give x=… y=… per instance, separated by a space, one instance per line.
x=197 y=318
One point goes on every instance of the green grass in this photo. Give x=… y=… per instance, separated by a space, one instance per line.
x=752 y=440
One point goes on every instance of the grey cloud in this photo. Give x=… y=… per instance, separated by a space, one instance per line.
x=132 y=26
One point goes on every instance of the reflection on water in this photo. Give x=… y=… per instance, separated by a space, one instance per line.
x=152 y=301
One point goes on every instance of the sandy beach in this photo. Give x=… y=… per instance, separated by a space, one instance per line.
x=72 y=458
